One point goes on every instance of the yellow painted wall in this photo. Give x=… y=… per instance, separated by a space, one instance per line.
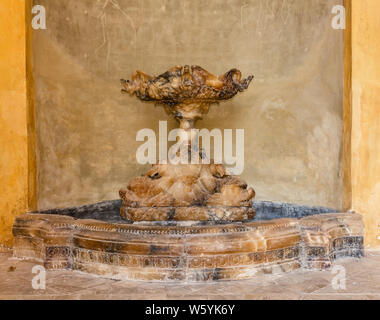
x=365 y=138
x=347 y=112
x=13 y=117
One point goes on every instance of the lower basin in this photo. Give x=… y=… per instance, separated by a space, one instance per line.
x=95 y=240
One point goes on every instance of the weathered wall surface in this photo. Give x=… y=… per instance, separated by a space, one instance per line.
x=292 y=114
x=365 y=162
x=13 y=117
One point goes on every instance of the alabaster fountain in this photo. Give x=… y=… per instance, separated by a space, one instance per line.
x=186 y=220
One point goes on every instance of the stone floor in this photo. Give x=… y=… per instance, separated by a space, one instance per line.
x=362 y=282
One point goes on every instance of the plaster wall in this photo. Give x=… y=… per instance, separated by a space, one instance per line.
x=292 y=113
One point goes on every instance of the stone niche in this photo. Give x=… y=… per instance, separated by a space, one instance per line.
x=292 y=115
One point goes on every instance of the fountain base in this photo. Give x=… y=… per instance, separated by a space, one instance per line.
x=187 y=251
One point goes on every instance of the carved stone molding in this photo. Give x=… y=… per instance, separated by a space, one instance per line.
x=188 y=253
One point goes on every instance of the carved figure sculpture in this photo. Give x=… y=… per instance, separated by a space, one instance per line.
x=194 y=191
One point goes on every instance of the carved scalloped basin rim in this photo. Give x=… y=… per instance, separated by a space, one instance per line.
x=185 y=83
x=209 y=252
